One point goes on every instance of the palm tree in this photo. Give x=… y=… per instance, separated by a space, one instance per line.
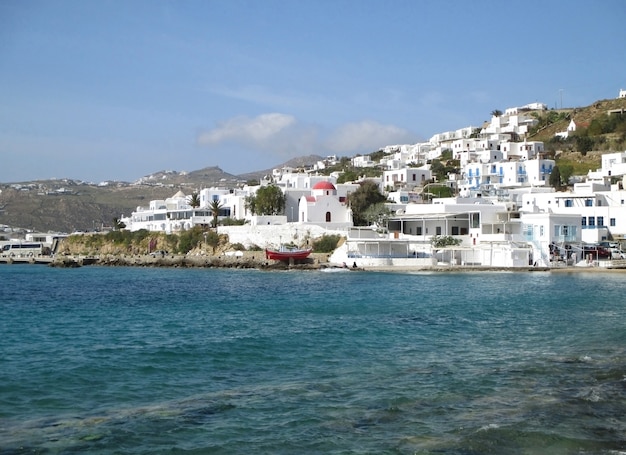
x=496 y=113
x=215 y=206
x=118 y=224
x=194 y=201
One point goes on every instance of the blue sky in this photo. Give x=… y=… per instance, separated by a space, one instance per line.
x=115 y=89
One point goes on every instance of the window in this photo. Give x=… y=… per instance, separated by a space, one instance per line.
x=588 y=202
x=418 y=230
x=592 y=221
x=328 y=217
x=475 y=220
x=612 y=221
x=569 y=203
x=601 y=221
x=438 y=230
x=583 y=221
x=455 y=230
x=528 y=231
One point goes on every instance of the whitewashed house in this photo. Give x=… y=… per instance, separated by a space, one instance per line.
x=407 y=177
x=169 y=215
x=363 y=161
x=571 y=128
x=600 y=206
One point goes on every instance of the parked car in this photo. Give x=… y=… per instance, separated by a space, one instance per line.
x=616 y=253
x=597 y=251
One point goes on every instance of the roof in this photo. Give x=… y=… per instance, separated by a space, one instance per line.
x=324 y=185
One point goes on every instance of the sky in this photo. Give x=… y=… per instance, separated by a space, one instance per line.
x=99 y=90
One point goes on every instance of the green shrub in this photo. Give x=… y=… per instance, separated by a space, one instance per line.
x=190 y=239
x=326 y=243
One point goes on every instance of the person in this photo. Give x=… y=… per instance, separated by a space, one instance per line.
x=354 y=265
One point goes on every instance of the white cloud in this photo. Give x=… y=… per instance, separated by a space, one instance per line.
x=258 y=130
x=367 y=136
x=281 y=135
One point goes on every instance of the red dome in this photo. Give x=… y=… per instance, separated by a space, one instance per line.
x=324 y=186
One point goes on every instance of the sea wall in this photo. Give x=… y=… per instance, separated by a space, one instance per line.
x=268 y=236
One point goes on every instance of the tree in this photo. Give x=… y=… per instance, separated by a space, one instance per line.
x=566 y=171
x=215 y=206
x=118 y=224
x=555 y=178
x=268 y=200
x=212 y=239
x=583 y=144
x=194 y=200
x=378 y=214
x=496 y=113
x=364 y=197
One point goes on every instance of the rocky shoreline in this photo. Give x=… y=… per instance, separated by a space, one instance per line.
x=247 y=261
x=316 y=261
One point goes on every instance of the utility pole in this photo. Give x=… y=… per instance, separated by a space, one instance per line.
x=561 y=95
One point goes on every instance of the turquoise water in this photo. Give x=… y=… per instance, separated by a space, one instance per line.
x=194 y=361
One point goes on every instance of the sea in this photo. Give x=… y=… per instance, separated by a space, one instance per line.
x=113 y=360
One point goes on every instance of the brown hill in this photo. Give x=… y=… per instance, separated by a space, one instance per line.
x=582 y=116
x=69 y=205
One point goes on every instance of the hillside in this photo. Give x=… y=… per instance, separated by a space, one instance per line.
x=583 y=150
x=69 y=206
x=583 y=116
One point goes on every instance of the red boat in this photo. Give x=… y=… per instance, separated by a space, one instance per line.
x=285 y=253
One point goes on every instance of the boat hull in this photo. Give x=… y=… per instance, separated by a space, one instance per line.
x=286 y=255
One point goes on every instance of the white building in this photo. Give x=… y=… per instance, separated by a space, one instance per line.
x=324 y=207
x=407 y=177
x=571 y=128
x=363 y=161
x=507 y=174
x=601 y=208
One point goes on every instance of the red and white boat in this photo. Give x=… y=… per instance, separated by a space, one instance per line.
x=285 y=253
